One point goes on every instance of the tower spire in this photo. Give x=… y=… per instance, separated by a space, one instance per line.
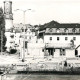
x=8 y=14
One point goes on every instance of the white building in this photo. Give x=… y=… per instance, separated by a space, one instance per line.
x=27 y=36
x=61 y=40
x=55 y=40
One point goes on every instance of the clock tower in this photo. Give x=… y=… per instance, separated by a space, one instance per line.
x=8 y=15
x=8 y=23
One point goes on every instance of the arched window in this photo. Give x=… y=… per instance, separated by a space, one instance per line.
x=75 y=30
x=66 y=30
x=50 y=30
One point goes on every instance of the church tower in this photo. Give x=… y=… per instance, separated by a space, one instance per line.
x=8 y=15
x=8 y=23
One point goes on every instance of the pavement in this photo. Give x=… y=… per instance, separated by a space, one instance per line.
x=6 y=58
x=9 y=59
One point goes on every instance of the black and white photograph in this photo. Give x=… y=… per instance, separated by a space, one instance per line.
x=39 y=39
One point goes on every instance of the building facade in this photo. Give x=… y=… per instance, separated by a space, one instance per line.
x=8 y=22
x=61 y=40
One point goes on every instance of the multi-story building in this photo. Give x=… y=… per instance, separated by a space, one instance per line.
x=61 y=40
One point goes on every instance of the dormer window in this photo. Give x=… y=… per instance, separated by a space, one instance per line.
x=62 y=30
x=50 y=30
x=66 y=30
x=70 y=30
x=73 y=30
x=58 y=30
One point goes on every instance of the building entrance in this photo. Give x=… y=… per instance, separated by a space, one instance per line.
x=50 y=51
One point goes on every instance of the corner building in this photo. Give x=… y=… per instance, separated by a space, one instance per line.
x=61 y=40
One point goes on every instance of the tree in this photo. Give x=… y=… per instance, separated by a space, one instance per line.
x=2 y=30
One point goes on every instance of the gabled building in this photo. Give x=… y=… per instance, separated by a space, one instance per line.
x=61 y=39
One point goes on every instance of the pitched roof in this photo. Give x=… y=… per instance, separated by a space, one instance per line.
x=69 y=25
x=54 y=24
x=50 y=25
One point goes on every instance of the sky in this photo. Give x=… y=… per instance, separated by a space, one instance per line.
x=43 y=11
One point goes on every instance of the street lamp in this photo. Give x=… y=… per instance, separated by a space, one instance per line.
x=24 y=11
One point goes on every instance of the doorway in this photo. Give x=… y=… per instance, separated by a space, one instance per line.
x=50 y=51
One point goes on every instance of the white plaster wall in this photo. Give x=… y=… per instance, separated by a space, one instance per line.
x=57 y=53
x=34 y=50
x=70 y=53
x=62 y=39
x=8 y=24
x=78 y=51
x=7 y=34
x=33 y=39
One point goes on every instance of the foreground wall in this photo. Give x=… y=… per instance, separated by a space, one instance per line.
x=33 y=50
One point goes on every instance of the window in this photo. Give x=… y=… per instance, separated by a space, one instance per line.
x=77 y=30
x=74 y=38
x=50 y=38
x=58 y=38
x=58 y=30
x=76 y=53
x=50 y=30
x=25 y=30
x=30 y=37
x=73 y=30
x=70 y=30
x=62 y=52
x=66 y=38
x=22 y=30
x=62 y=30
x=66 y=30
x=25 y=44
